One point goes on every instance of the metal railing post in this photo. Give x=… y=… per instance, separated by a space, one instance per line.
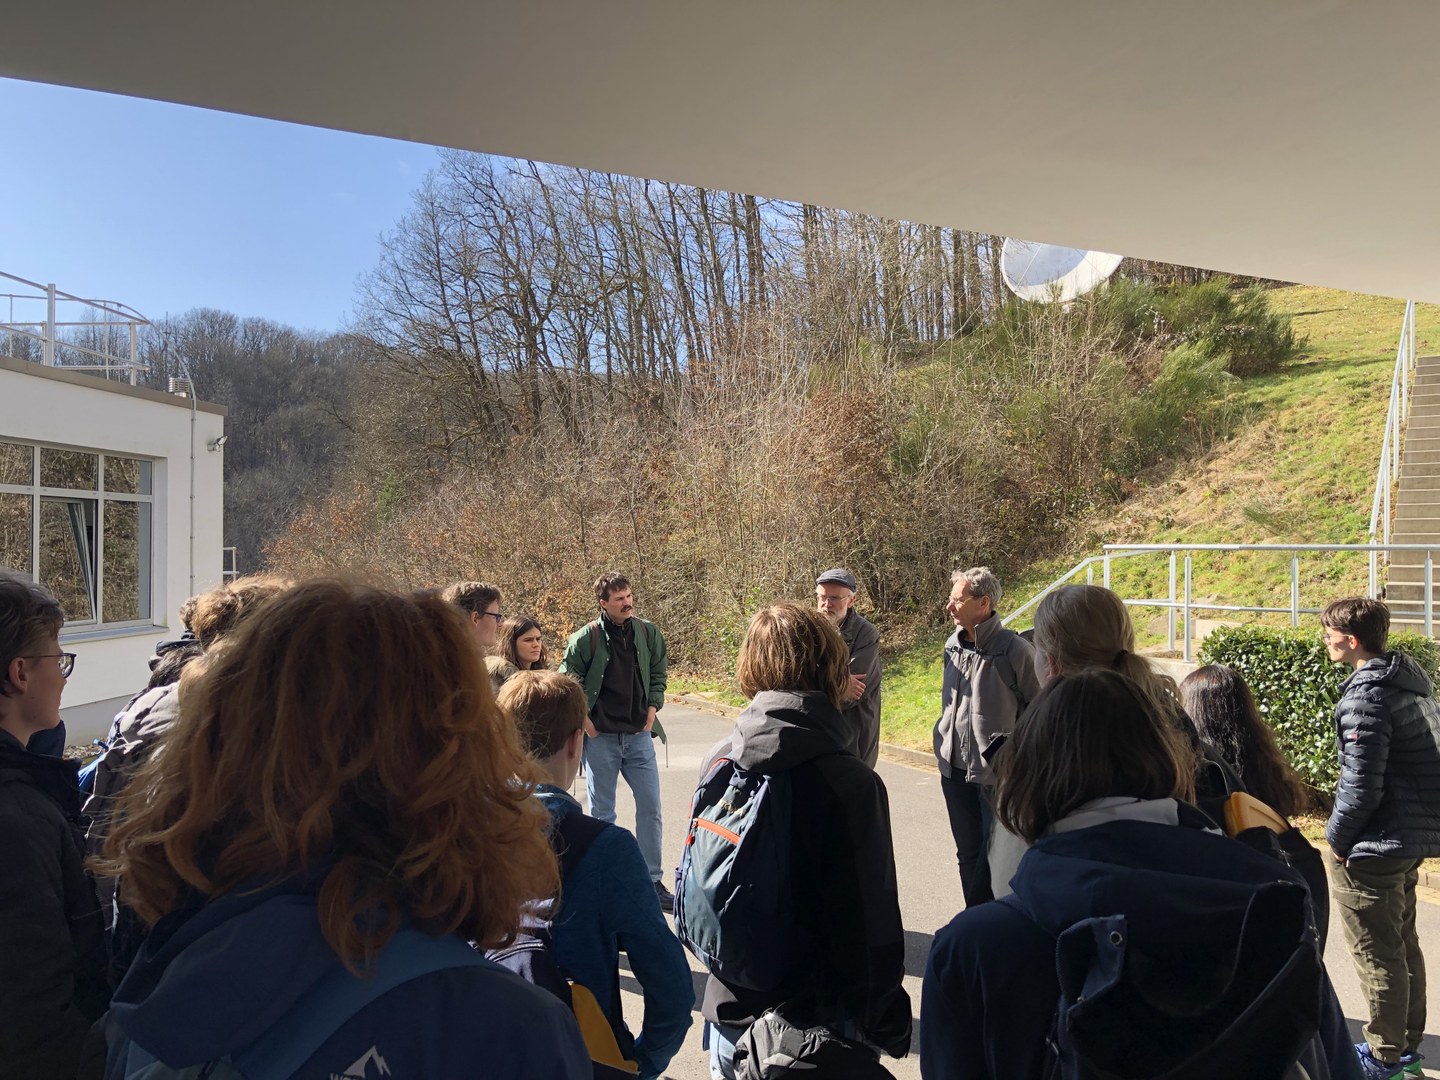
x=1189 y=635
x=1089 y=575
x=1374 y=575
x=1413 y=328
x=1295 y=590
x=1395 y=441
x=1405 y=338
x=1385 y=508
x=1106 y=578
x=1171 y=611
x=47 y=354
x=1429 y=597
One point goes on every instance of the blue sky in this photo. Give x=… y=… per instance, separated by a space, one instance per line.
x=167 y=208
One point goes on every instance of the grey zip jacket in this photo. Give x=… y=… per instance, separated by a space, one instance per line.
x=987 y=685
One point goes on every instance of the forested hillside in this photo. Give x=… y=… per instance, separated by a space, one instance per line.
x=553 y=372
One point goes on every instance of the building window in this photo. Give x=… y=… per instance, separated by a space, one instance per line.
x=79 y=522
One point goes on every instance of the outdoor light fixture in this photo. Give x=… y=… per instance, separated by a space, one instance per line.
x=216 y=444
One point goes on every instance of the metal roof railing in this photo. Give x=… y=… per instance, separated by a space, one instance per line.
x=93 y=335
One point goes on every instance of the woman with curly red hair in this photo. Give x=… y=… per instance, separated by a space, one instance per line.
x=333 y=817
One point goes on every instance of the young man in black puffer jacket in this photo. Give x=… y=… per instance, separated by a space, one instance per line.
x=52 y=946
x=1385 y=821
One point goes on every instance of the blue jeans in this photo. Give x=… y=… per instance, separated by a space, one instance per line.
x=633 y=757
x=721 y=1039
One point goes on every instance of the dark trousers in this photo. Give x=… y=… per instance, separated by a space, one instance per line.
x=1376 y=900
x=970 y=822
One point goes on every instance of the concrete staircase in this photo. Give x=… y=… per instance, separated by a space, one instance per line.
x=1417 y=512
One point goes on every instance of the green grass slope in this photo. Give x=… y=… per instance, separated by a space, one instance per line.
x=1301 y=468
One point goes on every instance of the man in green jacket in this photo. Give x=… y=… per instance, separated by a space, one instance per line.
x=621 y=662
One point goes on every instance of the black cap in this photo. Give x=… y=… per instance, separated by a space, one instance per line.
x=838 y=576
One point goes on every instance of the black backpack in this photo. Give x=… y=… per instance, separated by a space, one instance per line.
x=1192 y=1014
x=532 y=957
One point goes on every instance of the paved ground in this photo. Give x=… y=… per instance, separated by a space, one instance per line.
x=929 y=884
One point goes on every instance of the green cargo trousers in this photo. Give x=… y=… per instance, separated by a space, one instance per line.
x=1376 y=898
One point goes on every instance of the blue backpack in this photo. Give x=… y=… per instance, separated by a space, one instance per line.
x=734 y=908
x=286 y=1047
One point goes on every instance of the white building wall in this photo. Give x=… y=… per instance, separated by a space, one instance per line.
x=75 y=411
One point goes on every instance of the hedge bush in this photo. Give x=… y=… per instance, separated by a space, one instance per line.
x=1296 y=688
x=1237 y=326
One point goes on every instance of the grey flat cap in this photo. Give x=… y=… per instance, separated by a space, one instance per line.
x=838 y=576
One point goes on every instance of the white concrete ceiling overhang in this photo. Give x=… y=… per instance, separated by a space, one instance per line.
x=1281 y=138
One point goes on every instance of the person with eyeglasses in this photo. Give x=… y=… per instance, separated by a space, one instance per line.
x=52 y=943
x=481 y=603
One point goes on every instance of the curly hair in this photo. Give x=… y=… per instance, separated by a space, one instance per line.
x=222 y=609
x=346 y=733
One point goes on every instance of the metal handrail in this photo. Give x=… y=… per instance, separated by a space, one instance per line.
x=1397 y=414
x=1184 y=605
x=117 y=317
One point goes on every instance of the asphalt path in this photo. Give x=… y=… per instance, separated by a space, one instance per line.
x=929 y=883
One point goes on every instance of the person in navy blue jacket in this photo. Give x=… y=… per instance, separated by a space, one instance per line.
x=607 y=902
x=318 y=840
x=1099 y=785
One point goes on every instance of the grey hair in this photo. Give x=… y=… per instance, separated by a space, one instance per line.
x=982 y=582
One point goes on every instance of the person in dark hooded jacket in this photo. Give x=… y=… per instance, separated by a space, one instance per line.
x=1386 y=819
x=52 y=946
x=794 y=666
x=1099 y=784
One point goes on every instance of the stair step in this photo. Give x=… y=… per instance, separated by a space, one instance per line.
x=1402 y=593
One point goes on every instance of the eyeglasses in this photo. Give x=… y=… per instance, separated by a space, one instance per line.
x=498 y=616
x=67 y=661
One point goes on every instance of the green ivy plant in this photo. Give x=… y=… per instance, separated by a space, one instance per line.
x=1296 y=688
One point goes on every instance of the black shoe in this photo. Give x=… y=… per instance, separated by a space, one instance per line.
x=665 y=896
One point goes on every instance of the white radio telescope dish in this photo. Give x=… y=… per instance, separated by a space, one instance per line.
x=1052 y=274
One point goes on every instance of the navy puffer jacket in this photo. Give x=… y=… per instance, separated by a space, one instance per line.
x=1388 y=725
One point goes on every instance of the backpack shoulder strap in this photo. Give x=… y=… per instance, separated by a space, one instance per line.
x=1001 y=659
x=288 y=1045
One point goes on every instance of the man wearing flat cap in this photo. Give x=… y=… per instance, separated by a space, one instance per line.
x=835 y=598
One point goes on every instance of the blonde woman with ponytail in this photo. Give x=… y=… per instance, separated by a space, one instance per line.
x=1086 y=627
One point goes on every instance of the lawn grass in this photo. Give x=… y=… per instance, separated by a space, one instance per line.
x=1299 y=469
x=721 y=691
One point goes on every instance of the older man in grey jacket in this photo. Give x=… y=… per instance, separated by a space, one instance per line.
x=989 y=679
x=835 y=598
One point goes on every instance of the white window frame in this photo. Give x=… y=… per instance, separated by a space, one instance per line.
x=99 y=496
